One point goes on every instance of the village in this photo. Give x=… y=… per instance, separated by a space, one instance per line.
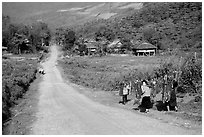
x=102 y=68
x=104 y=47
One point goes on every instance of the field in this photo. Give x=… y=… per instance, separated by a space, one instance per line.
x=106 y=72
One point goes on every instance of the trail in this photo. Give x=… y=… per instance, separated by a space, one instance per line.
x=64 y=111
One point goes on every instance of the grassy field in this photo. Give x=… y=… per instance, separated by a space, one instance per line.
x=106 y=72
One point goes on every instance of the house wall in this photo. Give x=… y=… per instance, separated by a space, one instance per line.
x=145 y=52
x=151 y=50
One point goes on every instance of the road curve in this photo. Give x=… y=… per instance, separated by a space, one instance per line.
x=64 y=111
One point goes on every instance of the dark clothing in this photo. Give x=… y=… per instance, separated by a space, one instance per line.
x=174 y=84
x=124 y=98
x=172 y=101
x=138 y=90
x=121 y=90
x=146 y=102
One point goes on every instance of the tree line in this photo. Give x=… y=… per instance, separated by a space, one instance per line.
x=20 y=38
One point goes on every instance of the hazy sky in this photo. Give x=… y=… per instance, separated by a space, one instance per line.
x=26 y=8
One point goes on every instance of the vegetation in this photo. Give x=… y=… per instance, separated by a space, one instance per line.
x=18 y=74
x=66 y=37
x=165 y=25
x=20 y=38
x=16 y=78
x=106 y=72
x=171 y=26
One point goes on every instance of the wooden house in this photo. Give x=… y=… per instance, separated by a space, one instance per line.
x=144 y=49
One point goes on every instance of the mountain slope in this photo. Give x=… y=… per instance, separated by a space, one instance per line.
x=64 y=14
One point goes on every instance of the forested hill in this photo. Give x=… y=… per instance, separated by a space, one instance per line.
x=166 y=25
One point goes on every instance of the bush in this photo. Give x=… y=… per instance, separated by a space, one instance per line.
x=191 y=76
x=16 y=78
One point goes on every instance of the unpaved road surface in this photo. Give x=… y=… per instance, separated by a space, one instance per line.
x=63 y=110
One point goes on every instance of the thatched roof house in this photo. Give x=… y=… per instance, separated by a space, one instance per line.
x=115 y=44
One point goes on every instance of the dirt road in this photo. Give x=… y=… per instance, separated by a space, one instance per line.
x=63 y=110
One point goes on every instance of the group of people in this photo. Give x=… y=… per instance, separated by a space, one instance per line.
x=41 y=71
x=145 y=92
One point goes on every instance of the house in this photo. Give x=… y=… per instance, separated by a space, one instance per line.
x=115 y=45
x=4 y=48
x=91 y=48
x=144 y=49
x=89 y=40
x=76 y=48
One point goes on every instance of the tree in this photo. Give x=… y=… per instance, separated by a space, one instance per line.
x=16 y=36
x=104 y=32
x=39 y=35
x=69 y=39
x=19 y=43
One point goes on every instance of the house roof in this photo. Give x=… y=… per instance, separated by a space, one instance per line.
x=89 y=40
x=4 y=48
x=76 y=46
x=115 y=43
x=90 y=46
x=144 y=45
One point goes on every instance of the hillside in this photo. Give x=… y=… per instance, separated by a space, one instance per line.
x=63 y=14
x=166 y=25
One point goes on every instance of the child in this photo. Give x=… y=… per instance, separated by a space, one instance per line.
x=124 y=91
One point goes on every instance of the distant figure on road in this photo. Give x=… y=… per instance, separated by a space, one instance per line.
x=41 y=71
x=146 y=102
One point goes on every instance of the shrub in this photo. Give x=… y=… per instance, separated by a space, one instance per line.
x=191 y=76
x=16 y=78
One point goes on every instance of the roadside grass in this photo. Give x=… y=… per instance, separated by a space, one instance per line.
x=106 y=72
x=18 y=71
